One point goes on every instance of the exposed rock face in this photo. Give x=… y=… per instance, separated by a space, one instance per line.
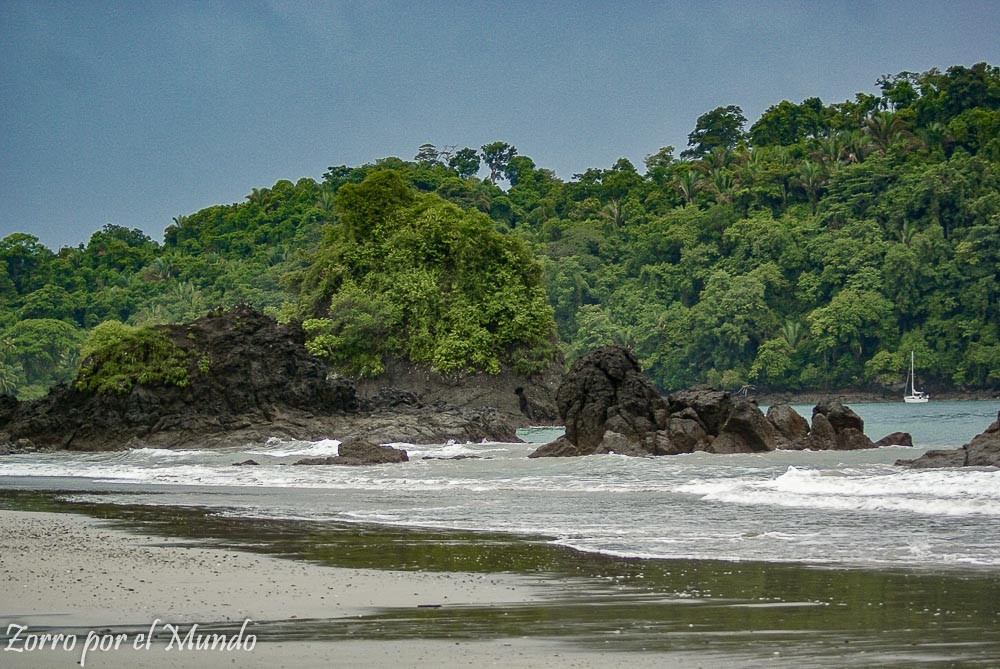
x=982 y=451
x=745 y=430
x=535 y=404
x=605 y=391
x=259 y=382
x=896 y=439
x=837 y=428
x=790 y=425
x=609 y=407
x=357 y=453
x=710 y=405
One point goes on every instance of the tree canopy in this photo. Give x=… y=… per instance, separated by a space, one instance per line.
x=813 y=251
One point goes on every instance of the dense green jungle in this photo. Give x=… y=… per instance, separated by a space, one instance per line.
x=812 y=249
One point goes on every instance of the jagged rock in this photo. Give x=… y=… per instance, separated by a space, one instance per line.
x=685 y=434
x=791 y=425
x=835 y=427
x=948 y=457
x=605 y=391
x=609 y=407
x=391 y=398
x=359 y=453
x=745 y=430
x=896 y=439
x=475 y=391
x=246 y=463
x=710 y=405
x=982 y=451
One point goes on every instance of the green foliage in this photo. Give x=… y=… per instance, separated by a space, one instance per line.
x=814 y=251
x=119 y=356
x=426 y=281
x=37 y=353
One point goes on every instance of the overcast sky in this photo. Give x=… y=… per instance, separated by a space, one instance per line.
x=132 y=113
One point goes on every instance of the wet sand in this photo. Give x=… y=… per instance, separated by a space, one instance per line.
x=72 y=574
x=451 y=599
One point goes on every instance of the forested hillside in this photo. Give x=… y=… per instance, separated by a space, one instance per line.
x=813 y=248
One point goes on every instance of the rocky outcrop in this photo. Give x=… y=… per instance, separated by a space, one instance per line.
x=982 y=451
x=895 y=439
x=745 y=430
x=250 y=379
x=791 y=426
x=609 y=407
x=835 y=427
x=534 y=404
x=358 y=453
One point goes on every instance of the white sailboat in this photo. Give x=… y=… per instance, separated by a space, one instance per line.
x=913 y=395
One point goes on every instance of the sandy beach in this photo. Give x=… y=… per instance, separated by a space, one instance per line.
x=76 y=575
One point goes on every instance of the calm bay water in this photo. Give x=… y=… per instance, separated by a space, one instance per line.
x=831 y=508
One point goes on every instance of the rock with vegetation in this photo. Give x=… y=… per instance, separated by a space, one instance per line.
x=229 y=377
x=982 y=451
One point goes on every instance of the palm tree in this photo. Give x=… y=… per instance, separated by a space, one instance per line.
x=830 y=151
x=934 y=135
x=721 y=185
x=858 y=147
x=811 y=178
x=326 y=200
x=792 y=332
x=907 y=230
x=8 y=380
x=688 y=183
x=885 y=128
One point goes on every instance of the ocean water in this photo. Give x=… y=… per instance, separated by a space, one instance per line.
x=840 y=508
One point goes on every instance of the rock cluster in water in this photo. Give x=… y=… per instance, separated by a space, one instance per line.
x=608 y=406
x=982 y=451
x=260 y=382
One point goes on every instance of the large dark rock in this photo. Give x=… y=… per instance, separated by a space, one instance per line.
x=711 y=406
x=535 y=404
x=791 y=425
x=745 y=430
x=835 y=427
x=605 y=391
x=359 y=453
x=982 y=451
x=250 y=379
x=609 y=407
x=896 y=439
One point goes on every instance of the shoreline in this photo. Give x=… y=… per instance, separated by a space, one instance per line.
x=851 y=396
x=91 y=580
x=504 y=600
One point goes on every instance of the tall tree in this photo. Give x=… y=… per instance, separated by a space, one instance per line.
x=465 y=162
x=497 y=155
x=721 y=127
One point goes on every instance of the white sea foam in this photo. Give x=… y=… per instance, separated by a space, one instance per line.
x=316 y=449
x=931 y=492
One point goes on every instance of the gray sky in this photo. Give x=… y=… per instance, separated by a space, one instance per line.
x=132 y=113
